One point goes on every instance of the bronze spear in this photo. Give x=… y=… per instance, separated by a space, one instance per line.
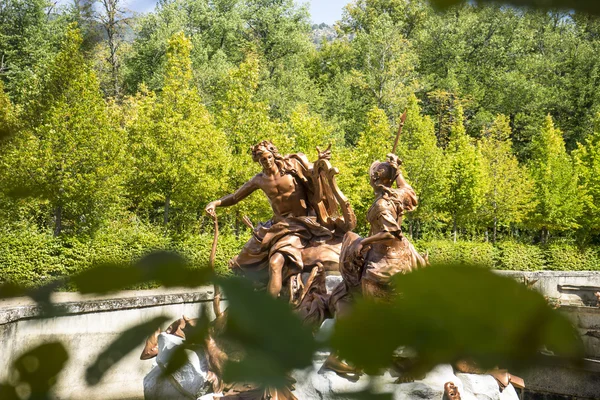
x=402 y=119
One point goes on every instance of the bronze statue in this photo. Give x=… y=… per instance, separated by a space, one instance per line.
x=306 y=228
x=368 y=264
x=502 y=376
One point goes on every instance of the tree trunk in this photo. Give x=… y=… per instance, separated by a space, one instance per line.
x=167 y=206
x=544 y=236
x=495 y=229
x=58 y=220
x=454 y=228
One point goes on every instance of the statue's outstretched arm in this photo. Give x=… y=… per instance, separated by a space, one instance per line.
x=244 y=191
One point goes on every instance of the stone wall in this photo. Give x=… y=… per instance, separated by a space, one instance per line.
x=89 y=324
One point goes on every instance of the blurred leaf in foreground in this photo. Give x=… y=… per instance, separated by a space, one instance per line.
x=126 y=342
x=36 y=372
x=586 y=6
x=273 y=337
x=452 y=312
x=166 y=268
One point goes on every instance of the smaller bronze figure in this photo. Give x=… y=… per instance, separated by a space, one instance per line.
x=451 y=391
x=502 y=376
x=367 y=265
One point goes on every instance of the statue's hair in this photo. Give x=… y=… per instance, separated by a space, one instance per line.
x=265 y=146
x=389 y=193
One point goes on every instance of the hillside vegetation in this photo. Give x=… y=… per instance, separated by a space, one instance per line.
x=117 y=129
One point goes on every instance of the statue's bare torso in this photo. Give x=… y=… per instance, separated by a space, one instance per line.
x=286 y=195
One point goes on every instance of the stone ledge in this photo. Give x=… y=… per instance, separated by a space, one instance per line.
x=74 y=304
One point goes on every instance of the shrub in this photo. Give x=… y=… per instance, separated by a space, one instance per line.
x=519 y=256
x=445 y=251
x=29 y=257
x=196 y=249
x=569 y=257
x=126 y=241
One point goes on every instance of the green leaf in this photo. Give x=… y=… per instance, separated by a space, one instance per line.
x=166 y=268
x=272 y=335
x=453 y=312
x=586 y=6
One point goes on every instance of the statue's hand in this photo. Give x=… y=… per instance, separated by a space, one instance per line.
x=363 y=249
x=325 y=155
x=394 y=160
x=210 y=209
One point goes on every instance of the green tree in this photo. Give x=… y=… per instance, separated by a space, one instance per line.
x=587 y=161
x=215 y=28
x=376 y=68
x=425 y=166
x=466 y=180
x=246 y=121
x=67 y=158
x=309 y=130
x=509 y=194
x=30 y=35
x=180 y=157
x=556 y=182
x=8 y=114
x=374 y=143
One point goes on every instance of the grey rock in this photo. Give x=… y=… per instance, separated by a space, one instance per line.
x=483 y=387
x=186 y=383
x=509 y=393
x=316 y=383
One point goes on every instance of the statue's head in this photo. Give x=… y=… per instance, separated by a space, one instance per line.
x=384 y=173
x=266 y=154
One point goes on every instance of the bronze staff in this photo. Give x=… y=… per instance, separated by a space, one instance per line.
x=402 y=119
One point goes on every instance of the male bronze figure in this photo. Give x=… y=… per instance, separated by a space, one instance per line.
x=306 y=229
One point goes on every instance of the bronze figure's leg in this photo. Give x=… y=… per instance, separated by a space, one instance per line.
x=333 y=363
x=276 y=263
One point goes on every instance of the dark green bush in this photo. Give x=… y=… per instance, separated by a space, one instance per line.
x=33 y=258
x=126 y=241
x=569 y=257
x=446 y=251
x=520 y=257
x=28 y=256
x=196 y=249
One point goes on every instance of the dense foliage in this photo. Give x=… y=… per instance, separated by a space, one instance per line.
x=112 y=149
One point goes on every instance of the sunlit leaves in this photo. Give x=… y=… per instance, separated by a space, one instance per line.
x=180 y=158
x=586 y=6
x=466 y=180
x=66 y=157
x=273 y=337
x=508 y=195
x=587 y=164
x=556 y=182
x=451 y=312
